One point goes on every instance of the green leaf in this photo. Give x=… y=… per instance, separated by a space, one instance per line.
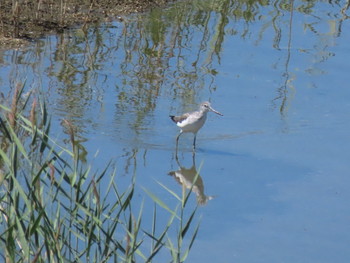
x=160 y=202
x=36 y=223
x=185 y=255
x=185 y=229
x=5 y=158
x=18 y=143
x=170 y=191
x=21 y=240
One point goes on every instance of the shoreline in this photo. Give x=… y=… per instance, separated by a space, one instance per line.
x=25 y=21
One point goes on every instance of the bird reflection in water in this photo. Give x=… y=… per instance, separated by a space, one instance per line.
x=189 y=178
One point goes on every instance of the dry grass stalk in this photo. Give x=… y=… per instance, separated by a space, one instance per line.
x=97 y=196
x=52 y=173
x=32 y=117
x=12 y=114
x=70 y=128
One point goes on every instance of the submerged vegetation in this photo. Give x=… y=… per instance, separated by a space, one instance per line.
x=53 y=208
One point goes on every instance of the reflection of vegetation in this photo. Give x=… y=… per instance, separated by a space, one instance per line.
x=172 y=53
x=286 y=86
x=53 y=209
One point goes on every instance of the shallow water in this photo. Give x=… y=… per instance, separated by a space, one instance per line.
x=277 y=162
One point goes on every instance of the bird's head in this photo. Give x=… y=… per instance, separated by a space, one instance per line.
x=205 y=107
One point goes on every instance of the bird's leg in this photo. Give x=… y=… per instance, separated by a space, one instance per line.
x=194 y=159
x=177 y=140
x=177 y=158
x=194 y=141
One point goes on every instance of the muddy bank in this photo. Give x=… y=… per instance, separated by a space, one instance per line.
x=25 y=20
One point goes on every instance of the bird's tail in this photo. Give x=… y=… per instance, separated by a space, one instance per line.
x=172 y=118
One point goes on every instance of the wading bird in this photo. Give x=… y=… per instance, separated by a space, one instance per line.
x=193 y=121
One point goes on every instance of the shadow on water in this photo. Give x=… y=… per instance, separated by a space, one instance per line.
x=220 y=137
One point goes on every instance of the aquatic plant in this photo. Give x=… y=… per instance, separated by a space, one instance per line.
x=54 y=208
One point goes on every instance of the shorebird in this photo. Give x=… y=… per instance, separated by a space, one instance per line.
x=193 y=121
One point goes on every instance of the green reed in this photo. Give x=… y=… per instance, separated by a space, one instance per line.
x=54 y=208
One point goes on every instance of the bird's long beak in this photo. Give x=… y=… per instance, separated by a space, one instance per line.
x=216 y=111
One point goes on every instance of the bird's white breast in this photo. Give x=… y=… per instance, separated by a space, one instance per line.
x=192 y=123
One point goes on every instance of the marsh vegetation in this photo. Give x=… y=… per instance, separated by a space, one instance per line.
x=55 y=208
x=30 y=19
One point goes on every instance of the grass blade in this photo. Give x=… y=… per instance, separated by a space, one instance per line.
x=160 y=202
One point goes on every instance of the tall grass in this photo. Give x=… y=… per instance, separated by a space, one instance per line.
x=54 y=208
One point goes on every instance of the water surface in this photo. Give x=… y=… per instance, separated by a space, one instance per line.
x=275 y=166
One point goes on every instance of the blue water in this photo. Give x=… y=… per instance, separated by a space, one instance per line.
x=277 y=162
